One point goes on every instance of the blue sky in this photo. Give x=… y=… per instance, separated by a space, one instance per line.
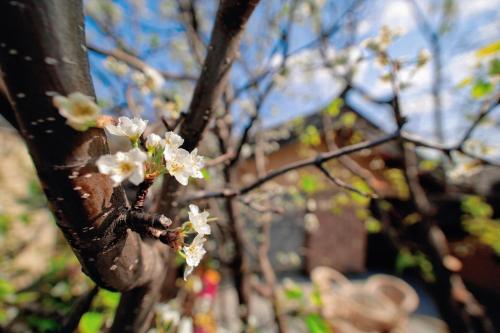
x=476 y=24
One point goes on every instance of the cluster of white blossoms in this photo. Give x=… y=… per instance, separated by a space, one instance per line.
x=381 y=43
x=147 y=159
x=198 y=223
x=163 y=155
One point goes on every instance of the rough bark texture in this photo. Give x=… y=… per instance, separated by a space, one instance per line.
x=42 y=53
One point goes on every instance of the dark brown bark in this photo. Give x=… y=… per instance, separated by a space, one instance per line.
x=6 y=109
x=43 y=53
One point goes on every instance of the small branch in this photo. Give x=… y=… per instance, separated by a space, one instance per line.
x=259 y=208
x=136 y=63
x=224 y=158
x=142 y=192
x=270 y=278
x=153 y=225
x=81 y=306
x=486 y=108
x=446 y=149
x=341 y=183
x=187 y=13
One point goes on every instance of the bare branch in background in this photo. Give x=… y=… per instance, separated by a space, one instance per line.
x=320 y=158
x=137 y=63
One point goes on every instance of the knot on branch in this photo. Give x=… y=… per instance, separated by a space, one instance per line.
x=154 y=226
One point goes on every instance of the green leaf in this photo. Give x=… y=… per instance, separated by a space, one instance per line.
x=494 y=67
x=294 y=292
x=109 y=299
x=205 y=174
x=334 y=108
x=316 y=324
x=309 y=184
x=476 y=206
x=405 y=260
x=5 y=221
x=316 y=297
x=6 y=288
x=43 y=324
x=311 y=136
x=489 y=49
x=349 y=119
x=373 y=225
x=91 y=322
x=26 y=297
x=481 y=88
x=429 y=165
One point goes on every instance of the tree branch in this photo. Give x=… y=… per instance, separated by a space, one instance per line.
x=222 y=51
x=46 y=56
x=320 y=158
x=136 y=63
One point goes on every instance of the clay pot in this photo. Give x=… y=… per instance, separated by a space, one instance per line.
x=380 y=304
x=398 y=291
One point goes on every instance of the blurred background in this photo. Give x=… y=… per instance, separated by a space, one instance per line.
x=341 y=248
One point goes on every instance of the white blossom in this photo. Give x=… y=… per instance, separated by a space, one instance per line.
x=154 y=79
x=166 y=109
x=172 y=143
x=131 y=128
x=199 y=220
x=154 y=141
x=167 y=314
x=139 y=78
x=185 y=325
x=181 y=164
x=149 y=80
x=194 y=253
x=80 y=110
x=115 y=66
x=197 y=163
x=123 y=165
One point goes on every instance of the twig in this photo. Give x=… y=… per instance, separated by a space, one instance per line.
x=486 y=108
x=270 y=277
x=342 y=184
x=142 y=192
x=137 y=63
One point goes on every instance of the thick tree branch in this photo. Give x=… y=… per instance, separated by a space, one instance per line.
x=46 y=56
